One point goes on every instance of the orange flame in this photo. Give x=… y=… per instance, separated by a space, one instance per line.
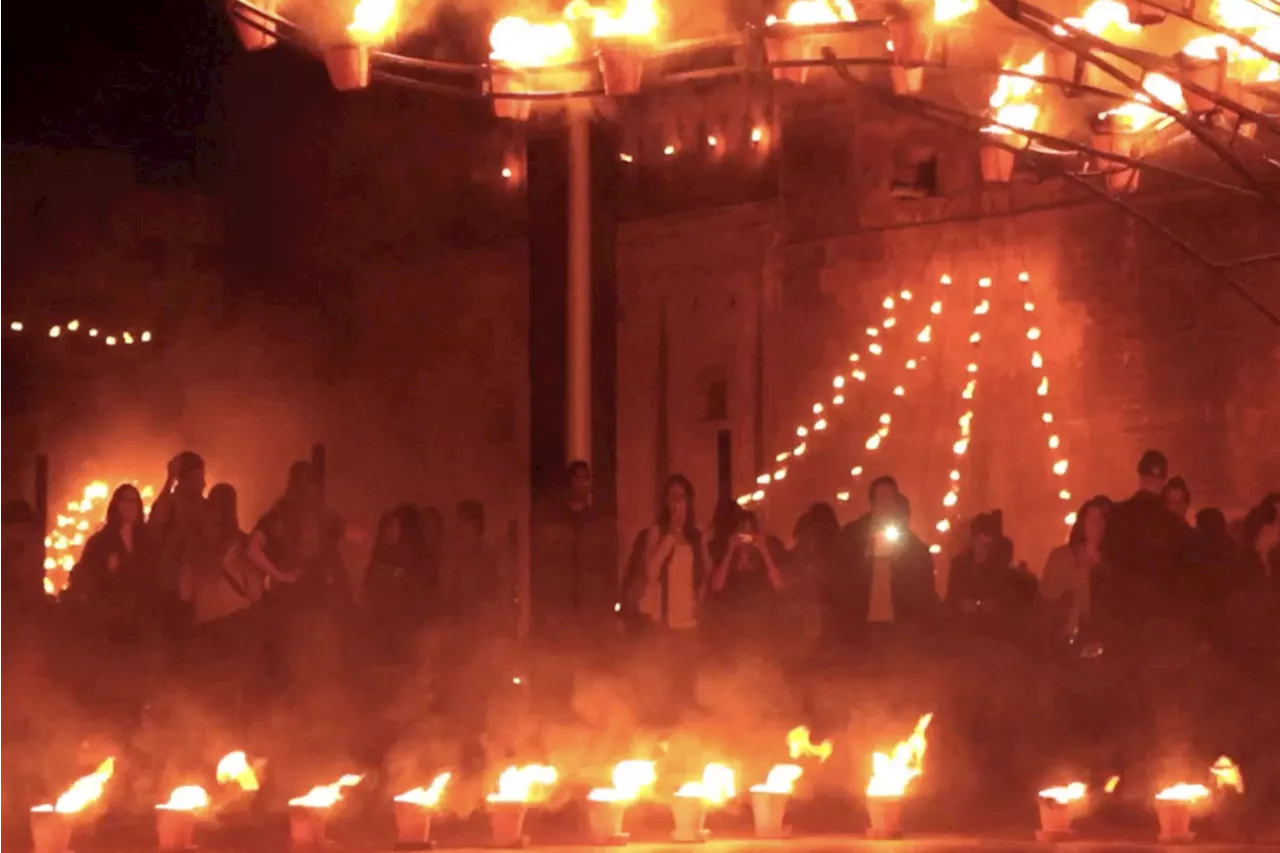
x=516 y=41
x=516 y=784
x=1227 y=775
x=1012 y=100
x=890 y=775
x=1100 y=16
x=715 y=788
x=1183 y=792
x=371 y=21
x=810 y=12
x=186 y=798
x=325 y=796
x=781 y=780
x=638 y=19
x=1064 y=794
x=945 y=11
x=629 y=779
x=428 y=797
x=799 y=745
x=1112 y=784
x=234 y=767
x=83 y=792
x=1137 y=114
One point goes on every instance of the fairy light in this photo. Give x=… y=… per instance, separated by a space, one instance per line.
x=872 y=331
x=889 y=322
x=875 y=349
x=626 y=158
x=1060 y=464
x=936 y=307
x=75 y=328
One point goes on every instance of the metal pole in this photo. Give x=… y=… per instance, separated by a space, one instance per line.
x=578 y=302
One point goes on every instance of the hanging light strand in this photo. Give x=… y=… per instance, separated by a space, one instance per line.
x=1053 y=438
x=76 y=328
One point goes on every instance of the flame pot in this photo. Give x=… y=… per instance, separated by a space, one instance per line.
x=886 y=817
x=690 y=814
x=348 y=66
x=307 y=826
x=768 y=808
x=605 y=819
x=513 y=80
x=1055 y=818
x=175 y=829
x=1207 y=73
x=1145 y=16
x=50 y=832
x=413 y=824
x=259 y=37
x=1175 y=820
x=506 y=823
x=907 y=81
x=997 y=164
x=1111 y=137
x=621 y=65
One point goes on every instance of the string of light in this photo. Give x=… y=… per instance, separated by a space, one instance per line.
x=77 y=329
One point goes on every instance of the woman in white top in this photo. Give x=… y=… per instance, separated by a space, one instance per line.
x=667 y=574
x=1072 y=570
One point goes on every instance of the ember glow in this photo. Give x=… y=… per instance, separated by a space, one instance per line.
x=1183 y=792
x=516 y=41
x=1227 y=775
x=372 y=20
x=781 y=780
x=234 y=767
x=1064 y=794
x=638 y=19
x=715 y=788
x=325 y=796
x=186 y=798
x=890 y=775
x=811 y=12
x=1012 y=101
x=800 y=746
x=83 y=792
x=1101 y=16
x=428 y=797
x=629 y=779
x=72 y=528
x=518 y=784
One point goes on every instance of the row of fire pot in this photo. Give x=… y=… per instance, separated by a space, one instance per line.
x=1110 y=134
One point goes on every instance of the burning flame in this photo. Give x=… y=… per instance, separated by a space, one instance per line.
x=890 y=776
x=1012 y=100
x=1244 y=62
x=799 y=744
x=516 y=41
x=1064 y=794
x=781 y=780
x=428 y=797
x=84 y=791
x=234 y=767
x=1137 y=114
x=187 y=798
x=1112 y=784
x=638 y=19
x=807 y=13
x=72 y=529
x=325 y=796
x=629 y=779
x=1183 y=793
x=1100 y=16
x=372 y=20
x=516 y=783
x=1227 y=774
x=945 y=11
x=716 y=786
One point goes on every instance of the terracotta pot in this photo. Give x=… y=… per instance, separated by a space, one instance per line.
x=1143 y=15
x=768 y=808
x=413 y=824
x=307 y=826
x=621 y=65
x=1210 y=74
x=784 y=42
x=1175 y=820
x=886 y=817
x=258 y=37
x=348 y=66
x=506 y=823
x=175 y=829
x=997 y=164
x=690 y=815
x=910 y=43
x=605 y=819
x=1055 y=818
x=907 y=81
x=50 y=832
x=1109 y=136
x=508 y=80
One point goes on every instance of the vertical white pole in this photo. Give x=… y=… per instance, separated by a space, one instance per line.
x=578 y=303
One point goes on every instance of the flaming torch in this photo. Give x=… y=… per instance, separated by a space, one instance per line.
x=769 y=801
x=508 y=806
x=622 y=40
x=1227 y=775
x=348 y=61
x=690 y=809
x=1012 y=107
x=1058 y=807
x=801 y=34
x=890 y=777
x=1118 y=131
x=51 y=824
x=1173 y=809
x=607 y=806
x=176 y=819
x=309 y=814
x=233 y=768
x=413 y=812
x=529 y=58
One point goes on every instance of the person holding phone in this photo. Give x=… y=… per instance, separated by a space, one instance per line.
x=667 y=573
x=744 y=585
